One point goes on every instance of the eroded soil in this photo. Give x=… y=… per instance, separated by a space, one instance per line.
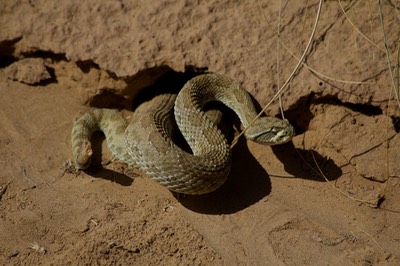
x=58 y=58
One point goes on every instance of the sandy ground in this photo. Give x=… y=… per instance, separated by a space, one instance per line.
x=58 y=57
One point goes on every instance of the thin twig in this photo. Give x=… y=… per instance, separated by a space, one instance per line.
x=340 y=191
x=373 y=239
x=387 y=53
x=397 y=85
x=4 y=188
x=395 y=8
x=354 y=26
x=27 y=177
x=281 y=90
x=278 y=54
x=325 y=76
x=395 y=89
x=309 y=67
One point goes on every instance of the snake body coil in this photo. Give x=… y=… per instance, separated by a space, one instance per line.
x=146 y=142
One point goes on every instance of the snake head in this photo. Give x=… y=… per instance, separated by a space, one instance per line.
x=270 y=131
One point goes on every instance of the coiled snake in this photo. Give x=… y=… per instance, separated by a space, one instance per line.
x=145 y=142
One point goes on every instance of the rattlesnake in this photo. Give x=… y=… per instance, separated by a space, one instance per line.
x=145 y=142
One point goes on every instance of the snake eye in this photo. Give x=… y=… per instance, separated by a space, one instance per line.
x=276 y=130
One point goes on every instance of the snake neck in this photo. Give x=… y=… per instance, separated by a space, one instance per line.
x=191 y=100
x=198 y=91
x=211 y=87
x=225 y=90
x=203 y=137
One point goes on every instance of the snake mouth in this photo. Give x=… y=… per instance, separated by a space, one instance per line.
x=283 y=136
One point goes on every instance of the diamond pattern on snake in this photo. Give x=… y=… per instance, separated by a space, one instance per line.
x=145 y=142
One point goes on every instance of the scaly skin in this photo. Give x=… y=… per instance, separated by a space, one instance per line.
x=146 y=142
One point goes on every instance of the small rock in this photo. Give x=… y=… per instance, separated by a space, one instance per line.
x=29 y=71
x=13 y=254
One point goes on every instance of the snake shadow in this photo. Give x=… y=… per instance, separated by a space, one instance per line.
x=248 y=181
x=247 y=184
x=306 y=164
